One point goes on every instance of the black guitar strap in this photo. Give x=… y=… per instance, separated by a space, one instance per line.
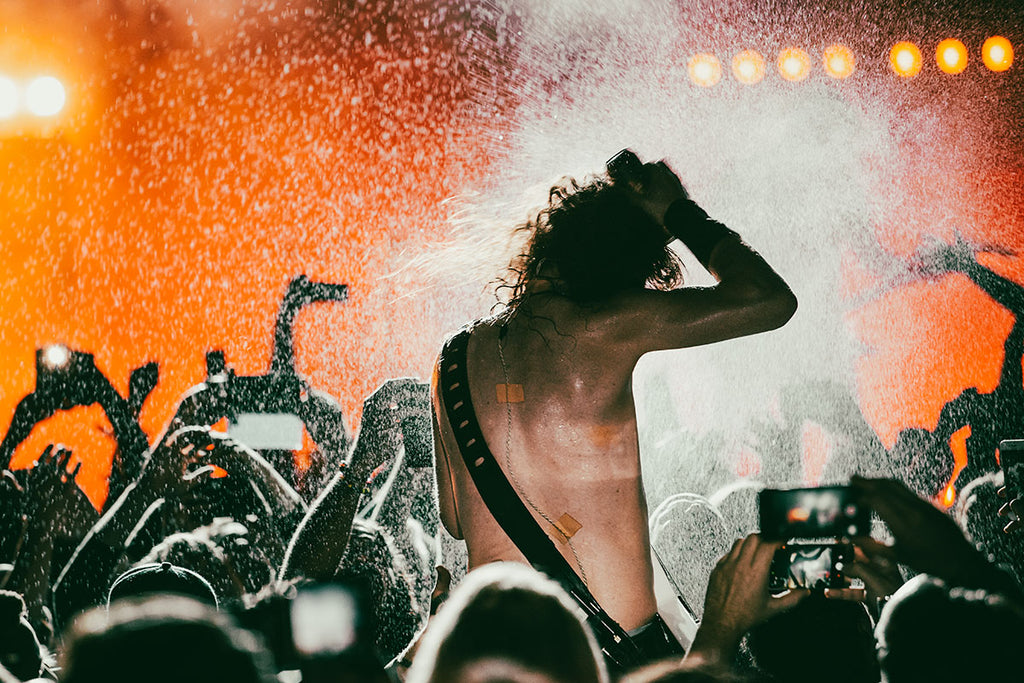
x=508 y=509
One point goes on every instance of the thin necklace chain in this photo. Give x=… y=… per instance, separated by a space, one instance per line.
x=508 y=458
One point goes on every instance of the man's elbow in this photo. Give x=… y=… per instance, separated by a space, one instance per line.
x=779 y=306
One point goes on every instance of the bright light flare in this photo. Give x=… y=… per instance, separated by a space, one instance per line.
x=997 y=53
x=45 y=96
x=748 y=67
x=905 y=59
x=705 y=69
x=951 y=56
x=56 y=356
x=839 y=61
x=8 y=97
x=794 y=64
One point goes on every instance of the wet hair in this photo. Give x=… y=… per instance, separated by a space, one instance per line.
x=590 y=242
x=508 y=613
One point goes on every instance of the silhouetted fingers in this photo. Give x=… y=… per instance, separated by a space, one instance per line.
x=787 y=600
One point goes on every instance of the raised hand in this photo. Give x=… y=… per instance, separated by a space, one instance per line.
x=175 y=463
x=384 y=411
x=738 y=598
x=875 y=564
x=52 y=500
x=656 y=190
x=1012 y=510
x=926 y=539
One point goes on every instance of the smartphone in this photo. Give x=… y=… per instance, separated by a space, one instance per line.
x=810 y=565
x=826 y=511
x=325 y=620
x=1011 y=461
x=61 y=371
x=624 y=166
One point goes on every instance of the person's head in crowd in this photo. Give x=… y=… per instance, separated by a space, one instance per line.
x=929 y=631
x=161 y=639
x=591 y=241
x=159 y=578
x=201 y=555
x=676 y=671
x=977 y=514
x=373 y=563
x=507 y=622
x=19 y=648
x=808 y=641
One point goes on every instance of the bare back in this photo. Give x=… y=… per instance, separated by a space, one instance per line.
x=570 y=450
x=568 y=440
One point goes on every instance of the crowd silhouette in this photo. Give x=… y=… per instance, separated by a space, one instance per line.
x=201 y=562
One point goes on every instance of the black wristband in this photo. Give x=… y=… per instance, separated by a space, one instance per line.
x=690 y=223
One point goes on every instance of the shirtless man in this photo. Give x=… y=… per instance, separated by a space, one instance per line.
x=550 y=376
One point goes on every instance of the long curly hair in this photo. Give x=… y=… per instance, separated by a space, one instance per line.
x=589 y=242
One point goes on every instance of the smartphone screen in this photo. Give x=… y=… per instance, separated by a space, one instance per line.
x=827 y=511
x=324 y=620
x=809 y=565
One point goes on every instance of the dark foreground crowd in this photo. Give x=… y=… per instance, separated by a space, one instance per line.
x=210 y=564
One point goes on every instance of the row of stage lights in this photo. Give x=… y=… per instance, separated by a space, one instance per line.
x=45 y=96
x=838 y=61
x=42 y=96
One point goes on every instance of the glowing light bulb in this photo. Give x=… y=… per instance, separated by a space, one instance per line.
x=794 y=64
x=56 y=356
x=905 y=59
x=997 y=53
x=705 y=69
x=748 y=67
x=45 y=96
x=839 y=61
x=951 y=56
x=8 y=98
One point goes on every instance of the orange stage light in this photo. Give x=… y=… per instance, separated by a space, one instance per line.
x=905 y=59
x=794 y=64
x=839 y=61
x=748 y=67
x=958 y=446
x=951 y=56
x=705 y=69
x=45 y=96
x=8 y=97
x=997 y=53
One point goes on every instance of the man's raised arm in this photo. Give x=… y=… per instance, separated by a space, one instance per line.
x=750 y=296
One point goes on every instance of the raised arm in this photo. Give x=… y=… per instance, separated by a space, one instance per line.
x=750 y=296
x=319 y=543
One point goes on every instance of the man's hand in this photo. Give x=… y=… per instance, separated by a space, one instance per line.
x=738 y=597
x=924 y=538
x=53 y=499
x=875 y=564
x=380 y=431
x=1012 y=510
x=657 y=190
x=179 y=460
